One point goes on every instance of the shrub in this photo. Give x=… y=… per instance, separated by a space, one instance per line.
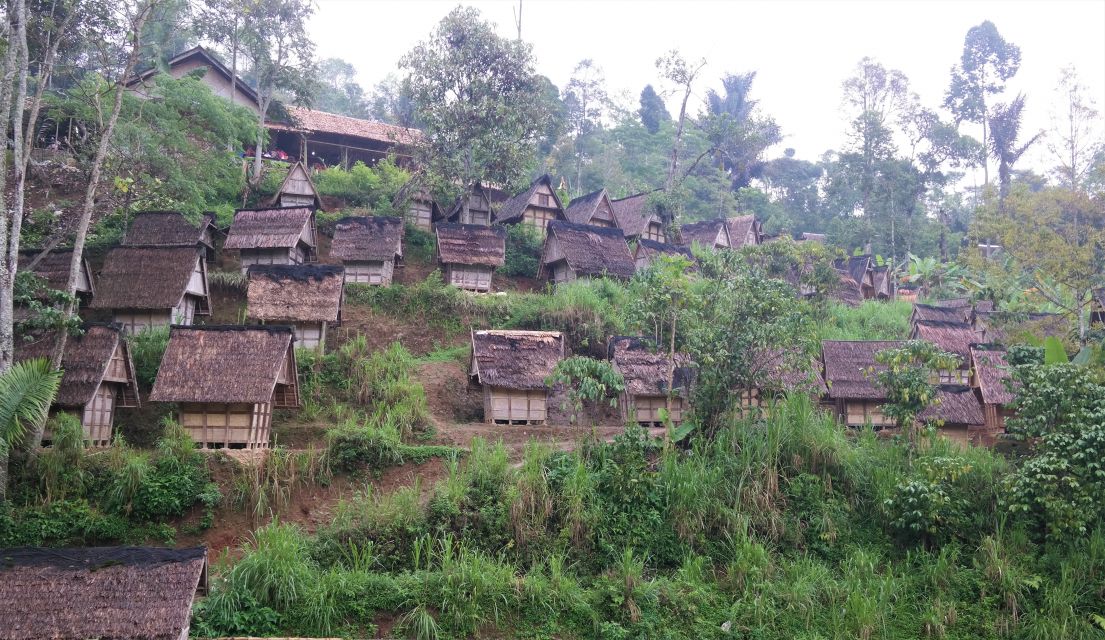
x=363 y=186
x=523 y=251
x=353 y=447
x=147 y=348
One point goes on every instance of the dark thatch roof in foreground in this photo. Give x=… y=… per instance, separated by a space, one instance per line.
x=651 y=248
x=645 y=368
x=272 y=228
x=295 y=293
x=928 y=313
x=367 y=239
x=515 y=359
x=590 y=250
x=955 y=405
x=168 y=229
x=991 y=371
x=633 y=214
x=54 y=267
x=847 y=364
x=739 y=227
x=116 y=593
x=221 y=363
x=954 y=303
x=513 y=209
x=145 y=277
x=471 y=244
x=580 y=210
x=953 y=337
x=84 y=362
x=705 y=233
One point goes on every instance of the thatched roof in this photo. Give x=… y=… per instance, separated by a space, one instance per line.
x=222 y=363
x=645 y=368
x=84 y=363
x=812 y=237
x=739 y=227
x=783 y=376
x=856 y=267
x=150 y=278
x=471 y=244
x=590 y=250
x=705 y=233
x=295 y=293
x=952 y=303
x=984 y=306
x=991 y=371
x=54 y=267
x=931 y=313
x=847 y=364
x=513 y=209
x=493 y=196
x=881 y=278
x=367 y=239
x=515 y=359
x=651 y=248
x=272 y=228
x=955 y=405
x=313 y=121
x=953 y=337
x=846 y=290
x=582 y=209
x=111 y=593
x=633 y=215
x=169 y=229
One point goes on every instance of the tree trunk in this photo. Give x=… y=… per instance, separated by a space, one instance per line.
x=3 y=471
x=673 y=166
x=263 y=102
x=13 y=220
x=671 y=365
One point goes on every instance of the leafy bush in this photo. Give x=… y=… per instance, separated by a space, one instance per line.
x=523 y=251
x=374 y=187
x=147 y=348
x=353 y=447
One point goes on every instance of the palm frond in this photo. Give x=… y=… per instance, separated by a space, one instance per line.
x=26 y=392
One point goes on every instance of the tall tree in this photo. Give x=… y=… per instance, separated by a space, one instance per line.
x=479 y=101
x=1005 y=129
x=987 y=63
x=585 y=101
x=392 y=101
x=681 y=74
x=653 y=112
x=224 y=22
x=737 y=132
x=338 y=91
x=1076 y=136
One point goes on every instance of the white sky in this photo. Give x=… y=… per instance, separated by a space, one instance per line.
x=802 y=51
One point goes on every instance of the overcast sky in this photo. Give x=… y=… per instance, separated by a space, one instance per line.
x=802 y=51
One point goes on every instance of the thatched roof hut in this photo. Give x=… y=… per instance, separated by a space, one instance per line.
x=537 y=206
x=745 y=231
x=54 y=269
x=645 y=370
x=574 y=251
x=470 y=244
x=884 y=288
x=637 y=219
x=953 y=337
x=850 y=370
x=153 y=286
x=860 y=269
x=952 y=303
x=956 y=405
x=511 y=366
x=307 y=297
x=483 y=203
x=368 y=239
x=846 y=290
x=594 y=209
x=121 y=593
x=806 y=236
x=297 y=189
x=990 y=373
x=274 y=236
x=172 y=229
x=647 y=250
x=423 y=210
x=709 y=234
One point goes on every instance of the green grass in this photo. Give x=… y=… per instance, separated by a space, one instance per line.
x=869 y=321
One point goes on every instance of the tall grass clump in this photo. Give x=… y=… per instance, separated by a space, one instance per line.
x=147 y=348
x=871 y=320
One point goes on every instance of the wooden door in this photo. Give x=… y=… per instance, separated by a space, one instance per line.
x=515 y=405
x=98 y=416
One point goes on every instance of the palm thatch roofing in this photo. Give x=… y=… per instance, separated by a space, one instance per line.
x=706 y=233
x=812 y=237
x=169 y=229
x=150 y=278
x=222 y=364
x=633 y=215
x=54 y=267
x=850 y=368
x=580 y=210
x=952 y=303
x=492 y=195
x=295 y=293
x=780 y=374
x=856 y=267
x=116 y=593
x=953 y=337
x=651 y=248
x=846 y=290
x=271 y=228
x=955 y=405
x=367 y=239
x=991 y=373
x=645 y=368
x=881 y=278
x=740 y=226
x=85 y=361
x=513 y=209
x=515 y=359
x=590 y=250
x=932 y=313
x=471 y=244
x=984 y=306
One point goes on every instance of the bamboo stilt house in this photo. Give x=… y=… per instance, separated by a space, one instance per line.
x=274 y=236
x=645 y=370
x=637 y=219
x=306 y=297
x=297 y=189
x=537 y=206
x=422 y=211
x=483 y=201
x=745 y=231
x=573 y=251
x=780 y=373
x=227 y=380
x=369 y=248
x=593 y=209
x=469 y=254
x=952 y=337
x=98 y=377
x=959 y=414
x=647 y=250
x=172 y=229
x=116 y=593
x=511 y=367
x=146 y=287
x=990 y=376
x=854 y=391
x=54 y=269
x=709 y=234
